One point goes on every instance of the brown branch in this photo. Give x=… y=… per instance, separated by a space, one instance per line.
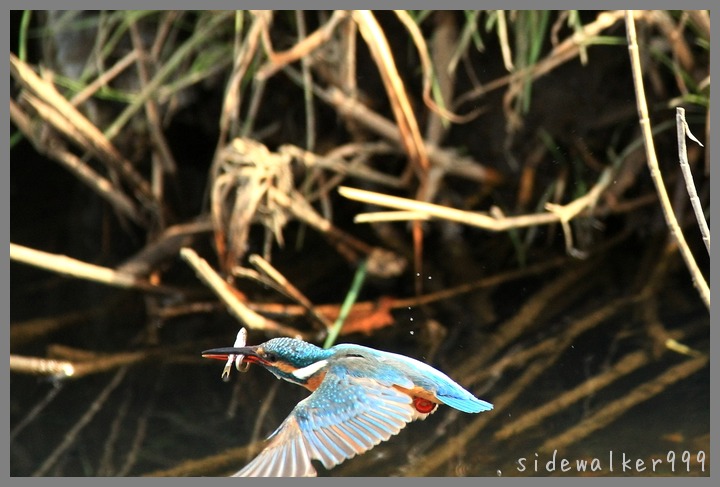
x=697 y=276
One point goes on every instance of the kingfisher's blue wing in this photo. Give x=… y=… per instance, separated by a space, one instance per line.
x=344 y=417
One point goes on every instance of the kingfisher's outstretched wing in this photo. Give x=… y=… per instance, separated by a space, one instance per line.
x=344 y=417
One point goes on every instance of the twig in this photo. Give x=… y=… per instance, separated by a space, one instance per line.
x=411 y=138
x=444 y=158
x=682 y=131
x=53 y=147
x=302 y=48
x=66 y=118
x=381 y=262
x=65 y=369
x=336 y=161
x=200 y=36
x=165 y=246
x=232 y=100
x=236 y=307
x=41 y=366
x=562 y=53
x=439 y=156
x=151 y=109
x=104 y=78
x=428 y=70
x=697 y=276
x=68 y=266
x=270 y=271
x=412 y=208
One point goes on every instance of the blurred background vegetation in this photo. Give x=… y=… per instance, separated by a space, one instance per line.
x=526 y=252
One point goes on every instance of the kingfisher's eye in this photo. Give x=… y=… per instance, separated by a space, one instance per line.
x=270 y=357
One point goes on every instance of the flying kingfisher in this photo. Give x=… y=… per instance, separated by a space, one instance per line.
x=361 y=396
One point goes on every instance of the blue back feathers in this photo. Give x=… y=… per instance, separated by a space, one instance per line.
x=388 y=368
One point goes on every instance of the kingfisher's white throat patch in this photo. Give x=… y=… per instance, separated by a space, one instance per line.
x=310 y=370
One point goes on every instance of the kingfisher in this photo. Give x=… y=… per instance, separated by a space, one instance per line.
x=360 y=397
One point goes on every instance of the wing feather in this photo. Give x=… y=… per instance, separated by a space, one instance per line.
x=344 y=417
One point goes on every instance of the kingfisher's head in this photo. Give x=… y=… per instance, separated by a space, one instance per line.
x=294 y=360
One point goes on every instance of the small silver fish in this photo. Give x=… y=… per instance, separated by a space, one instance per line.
x=240 y=341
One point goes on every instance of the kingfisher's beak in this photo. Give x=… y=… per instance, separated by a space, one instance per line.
x=249 y=353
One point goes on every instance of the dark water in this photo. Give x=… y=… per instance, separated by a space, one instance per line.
x=168 y=410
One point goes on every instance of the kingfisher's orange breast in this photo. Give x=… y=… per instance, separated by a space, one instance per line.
x=314 y=381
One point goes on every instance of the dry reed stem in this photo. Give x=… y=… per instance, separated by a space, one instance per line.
x=51 y=146
x=66 y=118
x=303 y=48
x=653 y=166
x=443 y=42
x=230 y=113
x=375 y=311
x=476 y=219
x=67 y=369
x=165 y=246
x=428 y=71
x=684 y=131
x=410 y=136
x=104 y=78
x=200 y=35
x=335 y=161
x=562 y=53
x=162 y=149
x=239 y=309
x=381 y=262
x=612 y=411
x=445 y=158
x=68 y=266
x=288 y=288
x=40 y=366
x=504 y=41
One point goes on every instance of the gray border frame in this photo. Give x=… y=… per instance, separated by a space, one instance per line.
x=318 y=4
